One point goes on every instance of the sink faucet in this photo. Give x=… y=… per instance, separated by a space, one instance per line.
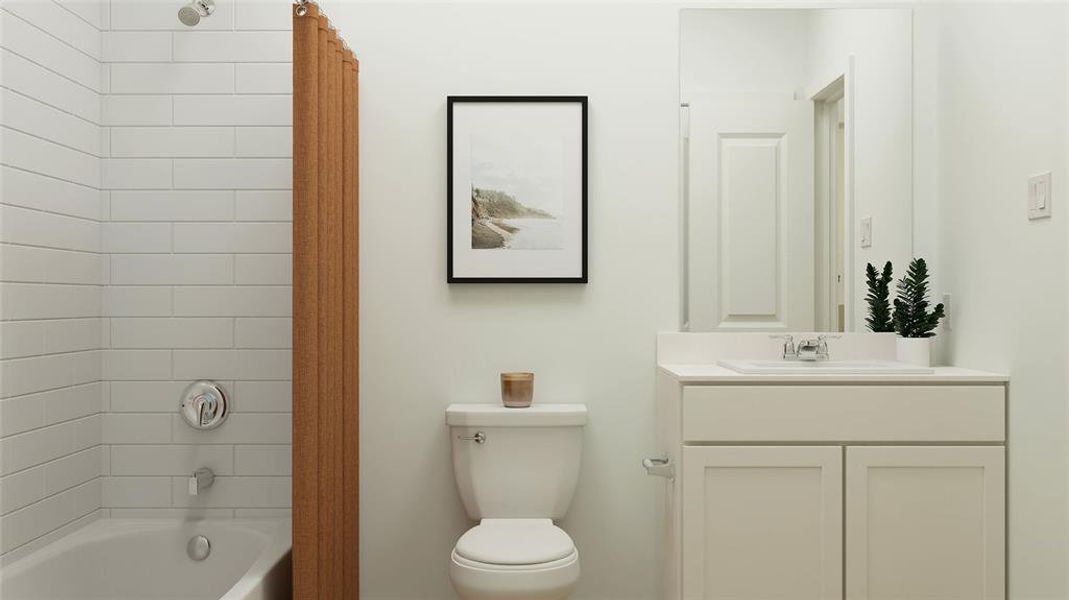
x=202 y=479
x=807 y=349
x=813 y=349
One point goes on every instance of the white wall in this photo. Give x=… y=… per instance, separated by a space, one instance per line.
x=743 y=50
x=51 y=269
x=198 y=243
x=425 y=344
x=1002 y=116
x=926 y=167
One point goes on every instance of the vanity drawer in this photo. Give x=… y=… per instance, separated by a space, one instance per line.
x=812 y=413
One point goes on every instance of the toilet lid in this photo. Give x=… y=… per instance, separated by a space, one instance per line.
x=515 y=542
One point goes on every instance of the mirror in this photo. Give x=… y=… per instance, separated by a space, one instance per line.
x=796 y=137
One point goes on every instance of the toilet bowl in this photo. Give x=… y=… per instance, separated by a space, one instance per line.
x=516 y=471
x=514 y=559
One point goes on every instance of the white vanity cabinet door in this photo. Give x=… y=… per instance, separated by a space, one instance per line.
x=762 y=523
x=925 y=522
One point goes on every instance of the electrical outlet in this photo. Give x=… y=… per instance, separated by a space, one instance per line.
x=866 y=232
x=947 y=323
x=1040 y=196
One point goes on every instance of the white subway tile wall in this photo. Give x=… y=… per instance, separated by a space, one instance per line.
x=52 y=270
x=144 y=243
x=198 y=242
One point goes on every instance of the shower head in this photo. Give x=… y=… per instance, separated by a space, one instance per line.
x=191 y=13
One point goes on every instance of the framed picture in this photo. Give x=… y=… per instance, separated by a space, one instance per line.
x=517 y=199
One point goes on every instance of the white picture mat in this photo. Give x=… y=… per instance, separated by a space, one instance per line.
x=473 y=119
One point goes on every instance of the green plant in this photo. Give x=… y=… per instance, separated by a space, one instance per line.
x=911 y=316
x=879 y=319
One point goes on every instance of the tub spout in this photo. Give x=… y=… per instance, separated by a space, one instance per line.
x=202 y=479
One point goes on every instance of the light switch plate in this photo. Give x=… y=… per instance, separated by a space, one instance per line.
x=866 y=232
x=1040 y=196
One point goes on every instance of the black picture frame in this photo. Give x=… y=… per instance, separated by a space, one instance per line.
x=451 y=102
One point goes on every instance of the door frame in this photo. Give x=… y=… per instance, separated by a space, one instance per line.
x=839 y=83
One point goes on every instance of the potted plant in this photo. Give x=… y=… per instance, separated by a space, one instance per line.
x=913 y=322
x=878 y=299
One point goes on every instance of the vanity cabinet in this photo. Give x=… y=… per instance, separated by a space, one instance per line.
x=862 y=490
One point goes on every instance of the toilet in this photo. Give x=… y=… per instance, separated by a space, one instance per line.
x=516 y=470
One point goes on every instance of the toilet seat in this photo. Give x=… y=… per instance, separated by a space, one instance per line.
x=514 y=559
x=514 y=543
x=549 y=566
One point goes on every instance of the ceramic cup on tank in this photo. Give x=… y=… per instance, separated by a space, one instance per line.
x=517 y=389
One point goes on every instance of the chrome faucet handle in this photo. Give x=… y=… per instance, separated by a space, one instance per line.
x=204 y=405
x=788 y=344
x=822 y=344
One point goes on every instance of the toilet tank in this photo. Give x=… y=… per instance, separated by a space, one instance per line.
x=527 y=464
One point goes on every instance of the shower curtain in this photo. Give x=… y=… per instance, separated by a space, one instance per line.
x=325 y=325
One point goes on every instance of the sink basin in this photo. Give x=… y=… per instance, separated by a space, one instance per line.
x=825 y=367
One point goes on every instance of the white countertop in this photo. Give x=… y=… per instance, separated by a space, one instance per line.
x=712 y=373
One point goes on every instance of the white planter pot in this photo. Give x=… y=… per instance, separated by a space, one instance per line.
x=914 y=351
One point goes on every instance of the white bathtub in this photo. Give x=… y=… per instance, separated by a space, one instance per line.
x=142 y=559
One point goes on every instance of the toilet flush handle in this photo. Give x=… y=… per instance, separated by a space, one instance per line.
x=478 y=438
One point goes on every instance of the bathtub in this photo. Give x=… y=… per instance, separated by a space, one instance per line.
x=142 y=559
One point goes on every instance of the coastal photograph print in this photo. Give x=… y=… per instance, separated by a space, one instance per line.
x=517 y=189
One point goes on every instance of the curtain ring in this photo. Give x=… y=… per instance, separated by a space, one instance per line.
x=301 y=8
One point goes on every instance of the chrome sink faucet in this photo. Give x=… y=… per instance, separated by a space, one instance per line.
x=807 y=349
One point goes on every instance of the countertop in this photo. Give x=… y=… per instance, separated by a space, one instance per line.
x=716 y=374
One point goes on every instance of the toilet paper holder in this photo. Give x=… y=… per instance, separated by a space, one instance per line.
x=660 y=467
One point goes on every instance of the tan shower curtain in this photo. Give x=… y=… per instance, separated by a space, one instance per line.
x=325 y=363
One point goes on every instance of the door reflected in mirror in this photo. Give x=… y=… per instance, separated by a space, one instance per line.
x=796 y=141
